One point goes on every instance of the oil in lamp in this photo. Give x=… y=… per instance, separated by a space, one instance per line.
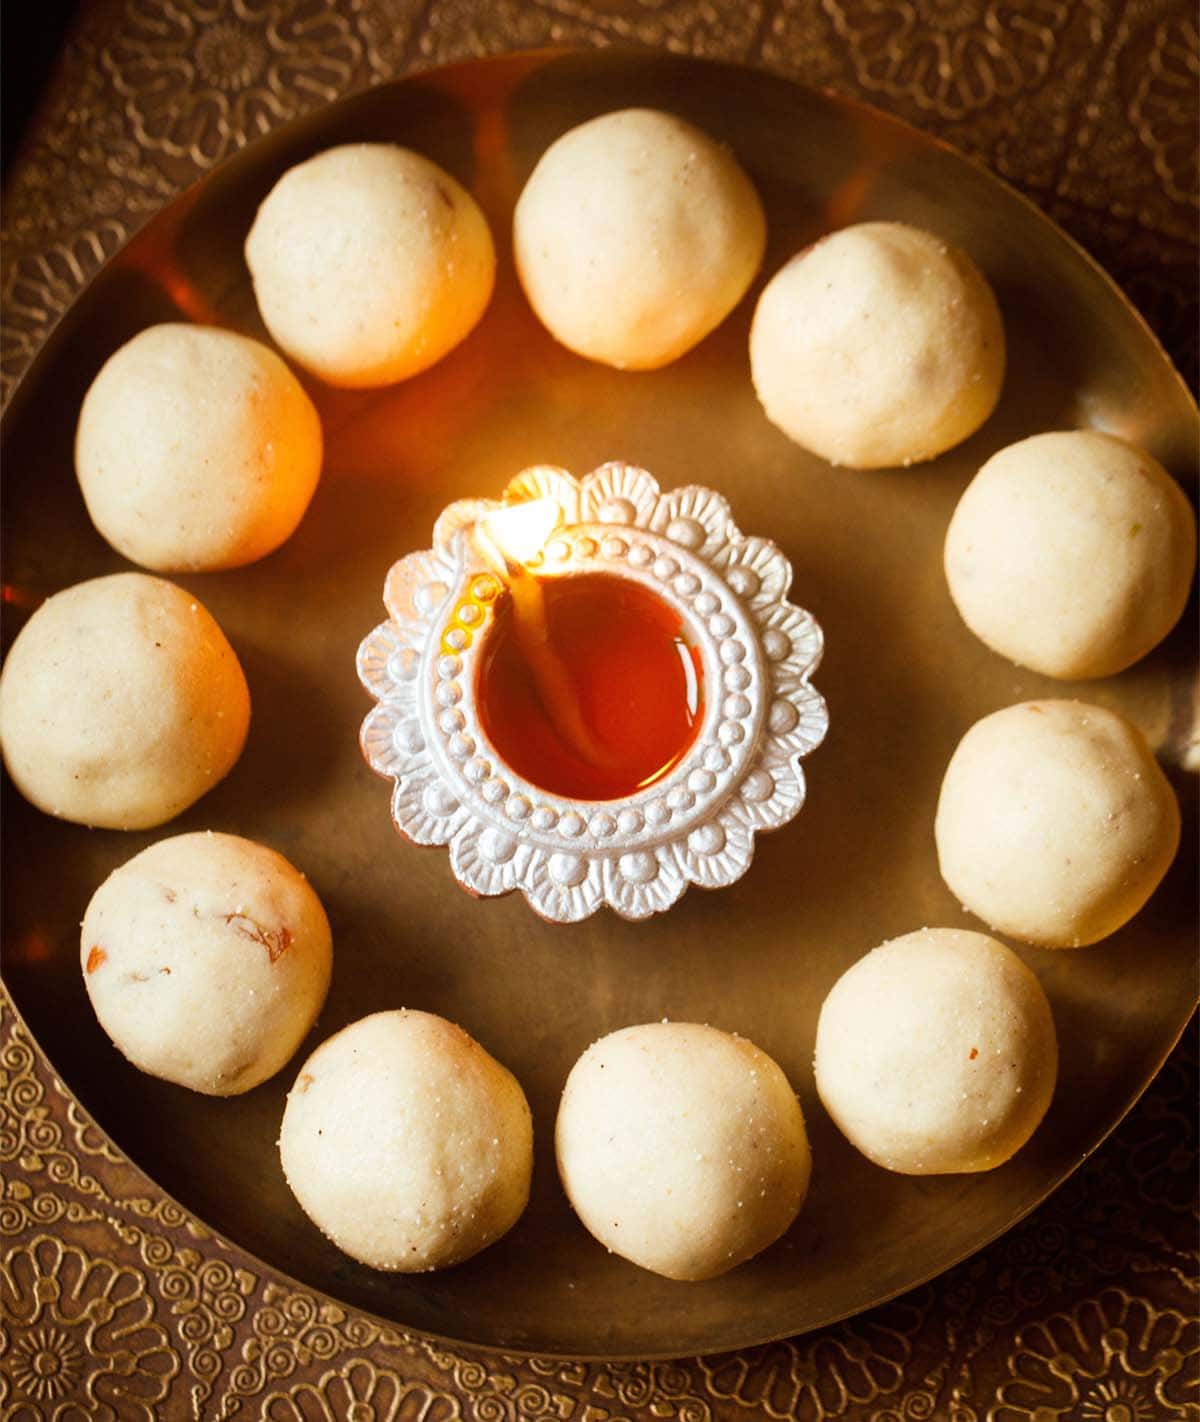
x=593 y=692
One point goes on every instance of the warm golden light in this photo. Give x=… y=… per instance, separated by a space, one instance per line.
x=509 y=538
x=519 y=531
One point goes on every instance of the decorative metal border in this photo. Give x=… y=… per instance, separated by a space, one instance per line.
x=695 y=825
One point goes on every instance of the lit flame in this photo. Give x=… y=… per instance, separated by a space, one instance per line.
x=519 y=531
x=509 y=538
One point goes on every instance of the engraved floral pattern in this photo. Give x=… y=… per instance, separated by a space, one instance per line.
x=292 y=1330
x=953 y=56
x=39 y=287
x=359 y=1392
x=863 y=1364
x=1171 y=74
x=88 y=1329
x=459 y=29
x=696 y=825
x=32 y=1141
x=46 y=1364
x=245 y=66
x=1115 y=1357
x=1080 y=144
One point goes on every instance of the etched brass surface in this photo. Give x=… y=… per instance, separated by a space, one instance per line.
x=1085 y=1307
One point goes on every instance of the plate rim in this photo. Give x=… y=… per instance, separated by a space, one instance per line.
x=538 y=57
x=499 y=1350
x=535 y=59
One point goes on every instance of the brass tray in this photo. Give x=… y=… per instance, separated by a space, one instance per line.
x=902 y=676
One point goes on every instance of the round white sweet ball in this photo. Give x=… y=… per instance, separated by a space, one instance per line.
x=406 y=1143
x=369 y=263
x=1055 y=823
x=936 y=1053
x=1071 y=553
x=878 y=345
x=635 y=236
x=121 y=703
x=197 y=449
x=206 y=958
x=682 y=1148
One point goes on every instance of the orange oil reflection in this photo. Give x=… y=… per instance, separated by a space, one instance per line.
x=30 y=947
x=13 y=596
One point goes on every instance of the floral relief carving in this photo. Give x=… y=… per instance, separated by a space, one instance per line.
x=45 y=1135
x=1116 y=1348
x=23 y=1209
x=292 y=1330
x=80 y=163
x=386 y=32
x=491 y=1388
x=46 y=1364
x=825 y=1376
x=848 y=47
x=672 y=1391
x=244 y=65
x=1133 y=156
x=531 y=1388
x=88 y=1137
x=1160 y=104
x=108 y=150
x=951 y=57
x=686 y=25
x=84 y=1327
x=1162 y=1154
x=33 y=1140
x=359 y=1392
x=165 y=1213
x=205 y=1297
x=53 y=203
x=40 y=285
x=460 y=29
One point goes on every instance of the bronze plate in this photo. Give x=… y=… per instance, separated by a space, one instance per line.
x=903 y=677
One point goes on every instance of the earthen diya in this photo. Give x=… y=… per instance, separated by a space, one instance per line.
x=592 y=692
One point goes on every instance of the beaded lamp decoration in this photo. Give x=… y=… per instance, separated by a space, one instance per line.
x=592 y=692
